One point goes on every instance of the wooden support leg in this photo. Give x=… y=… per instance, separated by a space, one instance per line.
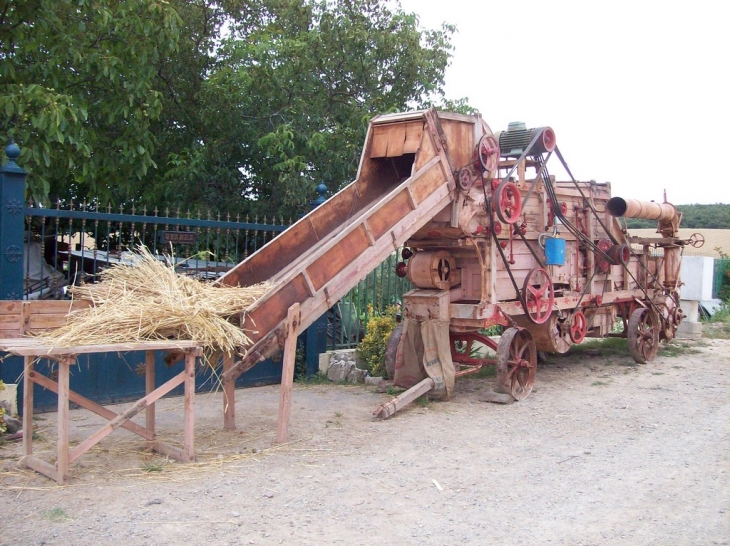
x=28 y=406
x=149 y=362
x=229 y=397
x=189 y=434
x=63 y=420
x=287 y=373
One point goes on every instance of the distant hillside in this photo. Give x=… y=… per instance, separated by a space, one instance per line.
x=693 y=216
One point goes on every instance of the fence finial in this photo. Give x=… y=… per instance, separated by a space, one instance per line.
x=321 y=190
x=12 y=151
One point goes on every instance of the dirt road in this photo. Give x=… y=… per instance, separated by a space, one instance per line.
x=602 y=452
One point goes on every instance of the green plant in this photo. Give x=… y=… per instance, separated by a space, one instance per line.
x=55 y=515
x=372 y=347
x=423 y=401
x=153 y=467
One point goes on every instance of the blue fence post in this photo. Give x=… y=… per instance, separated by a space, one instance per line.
x=316 y=336
x=12 y=215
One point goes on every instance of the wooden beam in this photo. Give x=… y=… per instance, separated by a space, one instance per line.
x=149 y=380
x=92 y=406
x=287 y=373
x=28 y=406
x=399 y=402
x=62 y=457
x=229 y=396
x=189 y=410
x=115 y=423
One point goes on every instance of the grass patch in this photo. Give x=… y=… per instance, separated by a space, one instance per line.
x=153 y=467
x=314 y=379
x=657 y=373
x=394 y=391
x=716 y=330
x=610 y=346
x=487 y=371
x=599 y=383
x=423 y=401
x=676 y=349
x=56 y=515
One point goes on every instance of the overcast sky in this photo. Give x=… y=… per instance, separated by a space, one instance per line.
x=637 y=91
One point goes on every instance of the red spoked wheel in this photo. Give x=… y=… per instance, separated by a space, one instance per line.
x=516 y=363
x=539 y=295
x=488 y=153
x=643 y=335
x=508 y=201
x=578 y=327
x=466 y=178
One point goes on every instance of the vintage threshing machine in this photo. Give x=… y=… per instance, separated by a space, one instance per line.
x=491 y=239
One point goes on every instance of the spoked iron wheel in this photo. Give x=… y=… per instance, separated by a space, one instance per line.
x=539 y=294
x=516 y=363
x=643 y=335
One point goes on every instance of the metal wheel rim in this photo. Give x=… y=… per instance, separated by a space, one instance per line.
x=643 y=335
x=516 y=363
x=535 y=296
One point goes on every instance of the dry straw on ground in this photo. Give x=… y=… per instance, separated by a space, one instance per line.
x=149 y=301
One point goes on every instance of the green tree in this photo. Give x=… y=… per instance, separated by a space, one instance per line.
x=261 y=115
x=77 y=91
x=242 y=104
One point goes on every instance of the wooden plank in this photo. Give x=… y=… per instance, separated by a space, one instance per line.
x=229 y=397
x=115 y=423
x=58 y=306
x=10 y=307
x=379 y=146
x=44 y=321
x=426 y=151
x=25 y=317
x=266 y=314
x=28 y=405
x=287 y=373
x=41 y=466
x=460 y=139
x=62 y=457
x=170 y=451
x=312 y=308
x=412 y=143
x=32 y=347
x=425 y=185
x=189 y=410
x=338 y=257
x=149 y=382
x=92 y=406
x=396 y=139
x=390 y=214
x=399 y=402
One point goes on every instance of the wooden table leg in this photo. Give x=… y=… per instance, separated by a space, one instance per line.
x=63 y=420
x=229 y=397
x=28 y=372
x=149 y=387
x=189 y=434
x=287 y=373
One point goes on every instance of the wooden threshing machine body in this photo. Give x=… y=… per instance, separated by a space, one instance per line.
x=491 y=239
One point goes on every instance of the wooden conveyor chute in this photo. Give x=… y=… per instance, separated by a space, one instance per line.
x=405 y=179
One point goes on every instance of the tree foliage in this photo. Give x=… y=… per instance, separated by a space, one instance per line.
x=246 y=104
x=77 y=90
x=715 y=216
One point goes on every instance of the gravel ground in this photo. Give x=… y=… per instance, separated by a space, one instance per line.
x=602 y=452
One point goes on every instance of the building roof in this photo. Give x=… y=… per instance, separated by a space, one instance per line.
x=714 y=239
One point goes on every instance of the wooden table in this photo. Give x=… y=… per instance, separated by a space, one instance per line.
x=32 y=350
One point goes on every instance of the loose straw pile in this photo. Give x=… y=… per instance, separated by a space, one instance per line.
x=149 y=301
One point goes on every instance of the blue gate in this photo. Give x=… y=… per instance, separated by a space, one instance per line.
x=46 y=249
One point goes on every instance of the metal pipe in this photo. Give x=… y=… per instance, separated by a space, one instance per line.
x=632 y=208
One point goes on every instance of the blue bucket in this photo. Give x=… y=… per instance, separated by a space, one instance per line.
x=554 y=251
